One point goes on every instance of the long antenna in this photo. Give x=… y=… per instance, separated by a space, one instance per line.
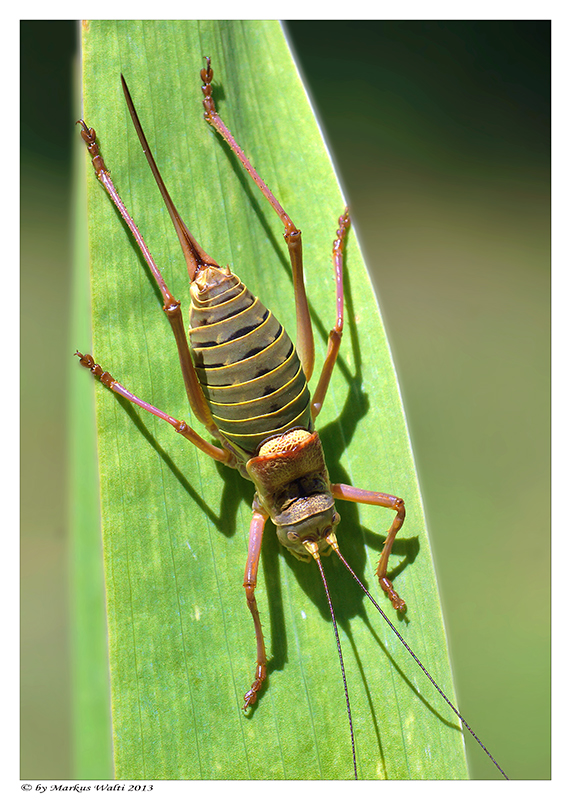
x=313 y=549
x=333 y=542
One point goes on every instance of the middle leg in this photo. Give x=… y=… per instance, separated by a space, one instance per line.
x=224 y=456
x=336 y=333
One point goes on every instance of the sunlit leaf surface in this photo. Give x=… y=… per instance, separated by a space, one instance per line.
x=175 y=524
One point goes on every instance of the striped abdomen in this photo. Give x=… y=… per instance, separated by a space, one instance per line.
x=246 y=363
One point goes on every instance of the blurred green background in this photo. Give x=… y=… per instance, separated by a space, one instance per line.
x=440 y=132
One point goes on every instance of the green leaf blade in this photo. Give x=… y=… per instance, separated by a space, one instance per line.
x=175 y=524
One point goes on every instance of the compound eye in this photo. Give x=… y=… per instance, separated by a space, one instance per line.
x=292 y=536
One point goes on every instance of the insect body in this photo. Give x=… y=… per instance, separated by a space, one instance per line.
x=247 y=384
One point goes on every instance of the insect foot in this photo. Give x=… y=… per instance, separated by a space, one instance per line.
x=252 y=694
x=88 y=362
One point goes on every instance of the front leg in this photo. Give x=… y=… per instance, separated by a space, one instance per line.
x=259 y=519
x=343 y=492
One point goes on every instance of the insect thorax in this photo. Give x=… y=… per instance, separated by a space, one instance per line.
x=292 y=485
